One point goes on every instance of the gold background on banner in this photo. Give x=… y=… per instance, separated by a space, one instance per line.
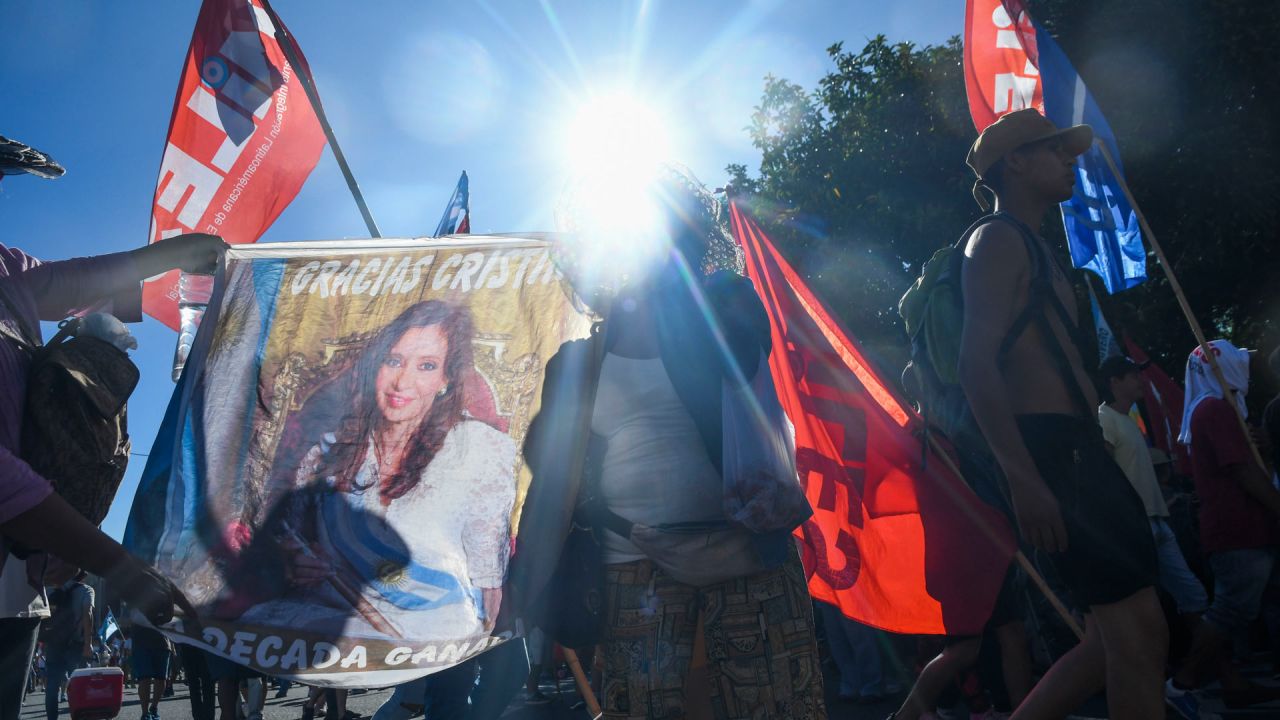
x=315 y=334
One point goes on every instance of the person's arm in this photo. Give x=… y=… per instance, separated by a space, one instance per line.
x=995 y=265
x=744 y=324
x=1216 y=429
x=1256 y=484
x=55 y=527
x=21 y=489
x=62 y=287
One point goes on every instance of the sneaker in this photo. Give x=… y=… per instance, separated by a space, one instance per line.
x=1183 y=702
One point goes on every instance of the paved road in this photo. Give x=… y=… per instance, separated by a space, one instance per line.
x=561 y=707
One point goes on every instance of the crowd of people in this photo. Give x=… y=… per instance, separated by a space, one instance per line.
x=632 y=426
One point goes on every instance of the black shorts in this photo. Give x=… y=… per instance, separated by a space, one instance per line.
x=1111 y=553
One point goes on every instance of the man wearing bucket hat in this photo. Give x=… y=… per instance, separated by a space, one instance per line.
x=1021 y=369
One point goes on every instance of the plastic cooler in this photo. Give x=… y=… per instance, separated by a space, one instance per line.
x=95 y=693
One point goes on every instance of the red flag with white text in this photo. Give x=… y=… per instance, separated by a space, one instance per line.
x=242 y=138
x=896 y=540
x=1005 y=75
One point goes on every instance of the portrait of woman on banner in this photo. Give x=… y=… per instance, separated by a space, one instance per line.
x=399 y=523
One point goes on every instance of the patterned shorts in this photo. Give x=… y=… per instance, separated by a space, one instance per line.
x=761 y=654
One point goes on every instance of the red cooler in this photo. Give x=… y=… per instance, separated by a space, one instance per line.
x=95 y=693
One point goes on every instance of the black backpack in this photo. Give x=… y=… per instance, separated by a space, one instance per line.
x=63 y=632
x=74 y=422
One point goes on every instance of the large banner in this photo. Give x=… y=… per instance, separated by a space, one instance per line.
x=242 y=139
x=337 y=479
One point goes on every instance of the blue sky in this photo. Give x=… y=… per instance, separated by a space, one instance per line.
x=416 y=92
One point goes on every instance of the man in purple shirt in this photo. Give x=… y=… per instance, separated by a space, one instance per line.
x=30 y=512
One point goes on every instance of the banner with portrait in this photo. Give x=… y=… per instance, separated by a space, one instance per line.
x=338 y=478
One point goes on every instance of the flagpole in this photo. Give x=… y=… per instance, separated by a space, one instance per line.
x=583 y=682
x=1205 y=350
x=308 y=86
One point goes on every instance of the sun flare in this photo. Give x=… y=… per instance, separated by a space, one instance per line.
x=614 y=146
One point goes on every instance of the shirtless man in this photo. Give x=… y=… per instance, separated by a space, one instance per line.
x=1022 y=373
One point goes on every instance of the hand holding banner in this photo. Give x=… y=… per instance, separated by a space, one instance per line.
x=337 y=476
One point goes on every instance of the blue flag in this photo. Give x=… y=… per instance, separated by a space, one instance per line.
x=109 y=627
x=1102 y=229
x=1107 y=343
x=457 y=214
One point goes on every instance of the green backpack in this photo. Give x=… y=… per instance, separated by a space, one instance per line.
x=933 y=311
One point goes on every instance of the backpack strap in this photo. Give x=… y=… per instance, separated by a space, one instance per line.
x=1042 y=298
x=606 y=518
x=1040 y=276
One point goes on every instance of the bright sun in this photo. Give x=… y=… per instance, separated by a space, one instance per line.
x=616 y=132
x=614 y=145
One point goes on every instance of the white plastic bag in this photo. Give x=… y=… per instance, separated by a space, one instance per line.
x=762 y=491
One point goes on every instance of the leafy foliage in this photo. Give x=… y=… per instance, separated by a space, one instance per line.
x=863 y=178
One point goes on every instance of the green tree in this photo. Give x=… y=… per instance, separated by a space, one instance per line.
x=863 y=178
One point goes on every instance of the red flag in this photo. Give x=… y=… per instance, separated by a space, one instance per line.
x=242 y=138
x=891 y=543
x=1000 y=60
x=1163 y=402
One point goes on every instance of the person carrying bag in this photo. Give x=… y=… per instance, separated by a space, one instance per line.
x=688 y=490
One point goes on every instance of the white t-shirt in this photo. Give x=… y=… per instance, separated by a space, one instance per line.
x=1134 y=458
x=656 y=469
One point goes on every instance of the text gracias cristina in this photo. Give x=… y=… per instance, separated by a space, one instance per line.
x=463 y=271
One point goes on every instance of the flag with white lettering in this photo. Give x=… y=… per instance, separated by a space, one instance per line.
x=242 y=138
x=457 y=214
x=896 y=540
x=337 y=477
x=1010 y=63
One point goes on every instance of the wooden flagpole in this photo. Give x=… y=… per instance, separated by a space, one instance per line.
x=1182 y=301
x=308 y=85
x=584 y=684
